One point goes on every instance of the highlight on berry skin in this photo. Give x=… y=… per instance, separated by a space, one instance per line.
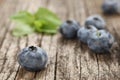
x=95 y=20
x=84 y=33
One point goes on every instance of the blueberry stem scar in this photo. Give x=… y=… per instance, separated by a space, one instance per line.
x=88 y=27
x=32 y=48
x=95 y=18
x=98 y=33
x=69 y=21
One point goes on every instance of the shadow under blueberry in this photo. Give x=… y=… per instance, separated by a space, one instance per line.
x=64 y=41
x=116 y=47
x=83 y=47
x=101 y=57
x=111 y=14
x=24 y=70
x=111 y=56
x=106 y=57
x=79 y=47
x=116 y=51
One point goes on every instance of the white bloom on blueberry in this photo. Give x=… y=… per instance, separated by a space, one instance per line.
x=69 y=29
x=100 y=41
x=32 y=58
x=84 y=33
x=96 y=21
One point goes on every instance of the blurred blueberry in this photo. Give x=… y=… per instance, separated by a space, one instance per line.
x=69 y=28
x=100 y=41
x=96 y=21
x=109 y=6
x=84 y=33
x=32 y=58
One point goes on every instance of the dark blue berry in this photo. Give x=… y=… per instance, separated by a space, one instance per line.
x=84 y=33
x=32 y=58
x=109 y=6
x=100 y=41
x=96 y=21
x=69 y=28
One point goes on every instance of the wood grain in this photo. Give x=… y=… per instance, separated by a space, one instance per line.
x=68 y=59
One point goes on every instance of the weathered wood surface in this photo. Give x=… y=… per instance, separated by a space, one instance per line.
x=68 y=59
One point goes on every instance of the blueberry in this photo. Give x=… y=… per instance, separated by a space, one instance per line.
x=32 y=58
x=109 y=6
x=84 y=32
x=100 y=41
x=69 y=29
x=96 y=21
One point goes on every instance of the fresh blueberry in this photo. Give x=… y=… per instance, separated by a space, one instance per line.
x=32 y=58
x=100 y=41
x=69 y=28
x=109 y=6
x=96 y=21
x=84 y=32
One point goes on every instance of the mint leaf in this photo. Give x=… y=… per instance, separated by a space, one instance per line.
x=48 y=19
x=42 y=26
x=43 y=20
x=38 y=24
x=48 y=16
x=48 y=31
x=22 y=29
x=24 y=17
x=45 y=29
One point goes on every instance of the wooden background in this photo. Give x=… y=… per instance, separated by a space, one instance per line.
x=68 y=59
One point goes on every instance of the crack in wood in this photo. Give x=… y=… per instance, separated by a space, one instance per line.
x=39 y=46
x=55 y=71
x=97 y=64
x=19 y=65
x=106 y=66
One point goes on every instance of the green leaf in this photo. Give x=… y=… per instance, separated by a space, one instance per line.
x=45 y=30
x=48 y=16
x=41 y=26
x=22 y=29
x=38 y=24
x=48 y=31
x=24 y=17
x=43 y=20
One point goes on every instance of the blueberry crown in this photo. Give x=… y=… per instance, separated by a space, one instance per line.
x=32 y=48
x=96 y=18
x=98 y=33
x=88 y=27
x=69 y=21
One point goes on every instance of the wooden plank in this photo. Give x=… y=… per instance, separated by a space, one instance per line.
x=8 y=47
x=24 y=41
x=11 y=73
x=8 y=71
x=49 y=43
x=106 y=62
x=22 y=74
x=45 y=44
x=4 y=27
x=68 y=59
x=32 y=39
x=89 y=65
